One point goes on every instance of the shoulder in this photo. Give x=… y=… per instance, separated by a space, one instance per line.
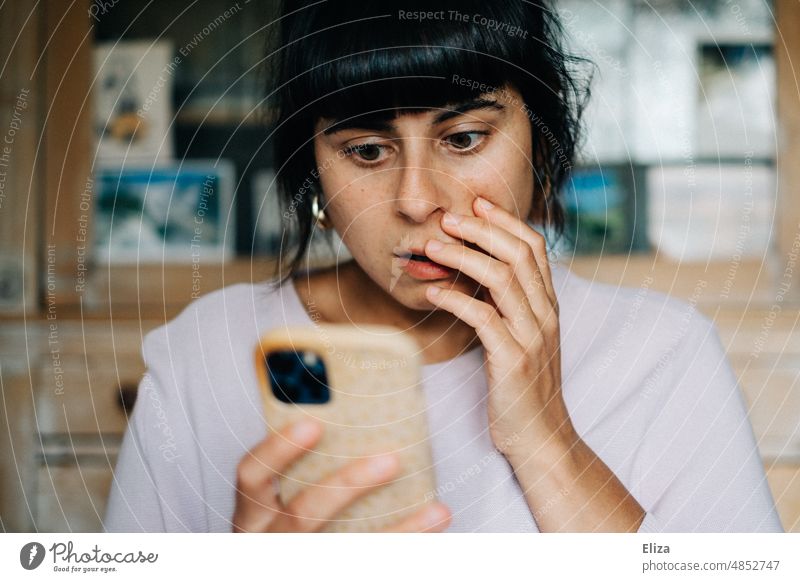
x=617 y=308
x=200 y=363
x=215 y=323
x=630 y=331
x=200 y=394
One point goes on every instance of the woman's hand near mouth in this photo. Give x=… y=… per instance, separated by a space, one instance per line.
x=518 y=324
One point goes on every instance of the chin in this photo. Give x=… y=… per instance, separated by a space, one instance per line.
x=412 y=293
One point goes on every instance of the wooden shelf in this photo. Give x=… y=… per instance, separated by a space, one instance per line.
x=713 y=286
x=159 y=290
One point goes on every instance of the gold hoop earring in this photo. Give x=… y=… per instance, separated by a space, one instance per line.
x=319 y=214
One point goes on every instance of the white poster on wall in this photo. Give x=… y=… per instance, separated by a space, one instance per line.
x=132 y=94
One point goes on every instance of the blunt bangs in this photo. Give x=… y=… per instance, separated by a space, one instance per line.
x=361 y=58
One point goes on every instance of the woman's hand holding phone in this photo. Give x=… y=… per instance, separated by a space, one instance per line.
x=259 y=509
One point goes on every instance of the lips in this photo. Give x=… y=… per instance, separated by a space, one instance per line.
x=418 y=254
x=415 y=254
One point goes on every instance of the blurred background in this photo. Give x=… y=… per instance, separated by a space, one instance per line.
x=136 y=175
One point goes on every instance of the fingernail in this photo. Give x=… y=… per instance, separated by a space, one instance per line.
x=451 y=219
x=434 y=516
x=433 y=290
x=435 y=245
x=304 y=430
x=383 y=465
x=485 y=204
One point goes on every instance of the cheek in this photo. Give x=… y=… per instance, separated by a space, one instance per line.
x=358 y=218
x=354 y=197
x=365 y=239
x=352 y=209
x=505 y=177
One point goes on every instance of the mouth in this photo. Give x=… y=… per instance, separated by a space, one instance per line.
x=415 y=263
x=413 y=255
x=418 y=254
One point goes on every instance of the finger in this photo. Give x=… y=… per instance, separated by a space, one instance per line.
x=434 y=517
x=314 y=507
x=535 y=240
x=256 y=498
x=492 y=331
x=501 y=281
x=505 y=245
x=514 y=252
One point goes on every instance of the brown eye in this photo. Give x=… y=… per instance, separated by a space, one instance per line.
x=368 y=152
x=466 y=140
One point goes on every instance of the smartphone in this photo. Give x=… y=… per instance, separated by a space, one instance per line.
x=363 y=385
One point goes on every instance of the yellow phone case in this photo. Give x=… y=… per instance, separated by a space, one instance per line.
x=376 y=405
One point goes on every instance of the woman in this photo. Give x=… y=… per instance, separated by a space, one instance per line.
x=430 y=137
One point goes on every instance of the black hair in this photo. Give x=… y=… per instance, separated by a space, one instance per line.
x=339 y=59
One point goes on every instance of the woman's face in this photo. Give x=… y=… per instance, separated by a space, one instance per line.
x=387 y=187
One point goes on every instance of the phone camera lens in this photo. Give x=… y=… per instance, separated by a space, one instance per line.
x=298 y=378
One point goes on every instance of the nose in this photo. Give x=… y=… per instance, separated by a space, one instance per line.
x=419 y=192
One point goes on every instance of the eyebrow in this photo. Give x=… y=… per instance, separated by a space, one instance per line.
x=377 y=124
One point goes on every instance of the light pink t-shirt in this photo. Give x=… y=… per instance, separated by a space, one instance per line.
x=645 y=379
